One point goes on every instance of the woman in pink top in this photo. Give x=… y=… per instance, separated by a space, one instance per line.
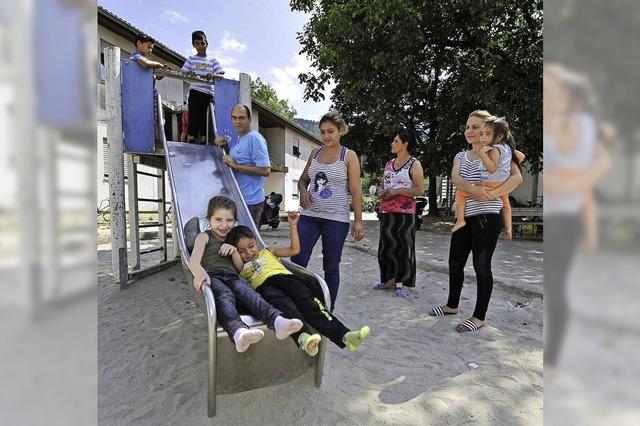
x=402 y=181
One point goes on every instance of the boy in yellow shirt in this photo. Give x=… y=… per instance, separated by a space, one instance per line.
x=286 y=292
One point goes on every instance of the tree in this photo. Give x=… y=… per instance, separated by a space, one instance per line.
x=424 y=65
x=266 y=94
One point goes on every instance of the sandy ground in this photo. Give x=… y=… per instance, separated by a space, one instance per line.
x=413 y=370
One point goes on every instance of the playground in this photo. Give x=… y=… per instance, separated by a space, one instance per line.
x=163 y=358
x=152 y=354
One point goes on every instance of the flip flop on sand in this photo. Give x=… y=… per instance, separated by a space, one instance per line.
x=382 y=286
x=468 y=325
x=402 y=293
x=439 y=312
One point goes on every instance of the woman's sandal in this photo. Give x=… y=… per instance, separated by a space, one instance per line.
x=382 y=286
x=401 y=293
x=439 y=312
x=468 y=325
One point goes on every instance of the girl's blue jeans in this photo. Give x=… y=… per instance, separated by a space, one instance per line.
x=333 y=235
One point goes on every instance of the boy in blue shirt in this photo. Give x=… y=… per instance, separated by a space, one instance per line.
x=200 y=94
x=144 y=47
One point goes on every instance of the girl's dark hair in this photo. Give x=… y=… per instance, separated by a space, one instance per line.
x=502 y=134
x=334 y=117
x=238 y=232
x=220 y=202
x=409 y=138
x=198 y=35
x=320 y=175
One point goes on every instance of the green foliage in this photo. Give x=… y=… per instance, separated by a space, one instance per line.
x=369 y=179
x=424 y=65
x=266 y=94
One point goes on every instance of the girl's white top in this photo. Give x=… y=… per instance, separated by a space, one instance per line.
x=503 y=171
x=581 y=158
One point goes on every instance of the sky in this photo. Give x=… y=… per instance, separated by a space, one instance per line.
x=257 y=37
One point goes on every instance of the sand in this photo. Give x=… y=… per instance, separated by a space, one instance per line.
x=152 y=356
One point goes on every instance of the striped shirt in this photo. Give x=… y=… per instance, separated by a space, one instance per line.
x=471 y=171
x=202 y=65
x=328 y=189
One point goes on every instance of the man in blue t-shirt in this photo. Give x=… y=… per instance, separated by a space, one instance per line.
x=250 y=160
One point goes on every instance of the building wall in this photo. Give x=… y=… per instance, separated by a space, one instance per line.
x=524 y=193
x=295 y=165
x=275 y=143
x=275 y=137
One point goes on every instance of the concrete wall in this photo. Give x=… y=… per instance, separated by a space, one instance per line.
x=524 y=193
x=295 y=165
x=275 y=137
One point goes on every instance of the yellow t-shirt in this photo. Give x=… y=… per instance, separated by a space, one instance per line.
x=262 y=267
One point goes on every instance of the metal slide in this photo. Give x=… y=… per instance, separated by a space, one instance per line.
x=197 y=173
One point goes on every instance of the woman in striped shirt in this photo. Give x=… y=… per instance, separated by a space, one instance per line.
x=480 y=235
x=331 y=173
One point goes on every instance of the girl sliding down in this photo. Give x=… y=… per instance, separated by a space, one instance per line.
x=266 y=273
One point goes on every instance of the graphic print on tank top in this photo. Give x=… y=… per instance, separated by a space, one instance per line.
x=398 y=179
x=319 y=185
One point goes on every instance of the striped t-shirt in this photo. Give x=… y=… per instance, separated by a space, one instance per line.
x=328 y=189
x=202 y=65
x=471 y=171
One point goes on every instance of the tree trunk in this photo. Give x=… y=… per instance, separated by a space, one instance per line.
x=433 y=196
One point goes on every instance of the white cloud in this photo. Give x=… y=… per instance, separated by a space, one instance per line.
x=173 y=16
x=286 y=78
x=224 y=60
x=288 y=87
x=230 y=43
x=234 y=73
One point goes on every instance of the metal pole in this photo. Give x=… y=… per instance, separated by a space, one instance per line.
x=174 y=230
x=115 y=152
x=162 y=230
x=27 y=157
x=320 y=363
x=134 y=230
x=212 y=355
x=52 y=218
